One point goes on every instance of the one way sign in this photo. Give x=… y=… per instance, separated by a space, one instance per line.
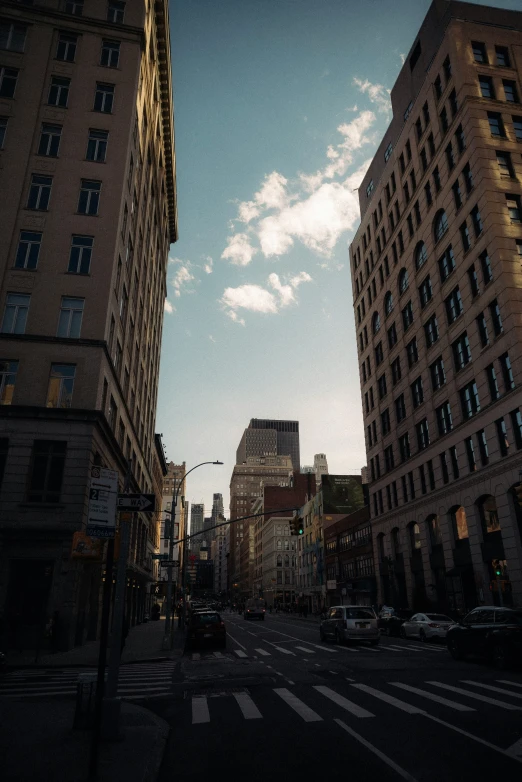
x=145 y=502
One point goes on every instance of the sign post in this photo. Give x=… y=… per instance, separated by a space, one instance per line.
x=103 y=491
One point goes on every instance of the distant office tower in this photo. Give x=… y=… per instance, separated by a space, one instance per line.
x=320 y=467
x=173 y=484
x=437 y=281
x=217 y=512
x=196 y=524
x=270 y=438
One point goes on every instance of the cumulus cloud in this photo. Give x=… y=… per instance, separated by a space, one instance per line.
x=212 y=338
x=208 y=265
x=271 y=195
x=255 y=298
x=377 y=93
x=169 y=308
x=239 y=251
x=182 y=278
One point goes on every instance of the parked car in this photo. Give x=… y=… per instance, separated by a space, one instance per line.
x=391 y=619
x=426 y=627
x=490 y=632
x=350 y=623
x=206 y=627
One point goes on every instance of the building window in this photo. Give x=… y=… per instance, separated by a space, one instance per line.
x=12 y=36
x=425 y=292
x=3 y=130
x=389 y=461
x=392 y=336
x=28 y=250
x=446 y=264
x=436 y=179
x=369 y=188
x=74 y=7
x=503 y=441
x=450 y=157
x=516 y=422
x=412 y=352
x=476 y=220
x=417 y=393
x=510 y=91
x=407 y=316
x=89 y=198
x=507 y=372
x=483 y=447
x=444 y=122
x=379 y=356
x=80 y=255
x=470 y=452
x=403 y=280
x=15 y=313
x=438 y=87
x=453 y=304
x=8 y=77
x=39 y=192
x=505 y=166
x=110 y=54
x=502 y=56
x=404 y=447
x=454 y=461
x=8 y=370
x=486 y=87
x=431 y=331
x=70 y=321
x=47 y=469
x=438 y=376
x=422 y=477
x=513 y=204
x=97 y=145
x=424 y=159
x=50 y=140
x=423 y=435
x=445 y=473
x=461 y=351
x=59 y=92
x=440 y=225
x=479 y=52
x=66 y=49
x=444 y=420
x=113 y=414
x=464 y=236
x=496 y=318
x=115 y=11
x=427 y=193
x=400 y=408
x=496 y=124
x=517 y=125
x=457 y=195
x=473 y=281
x=396 y=370
x=381 y=385
x=460 y=139
x=492 y=382
x=104 y=97
x=388 y=303
x=469 y=400
x=61 y=384
x=387 y=152
x=468 y=178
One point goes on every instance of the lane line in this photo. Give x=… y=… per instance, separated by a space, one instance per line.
x=240 y=653
x=236 y=642
x=200 y=711
x=389 y=762
x=493 y=689
x=217 y=654
x=263 y=652
x=344 y=703
x=506 y=681
x=403 y=648
x=285 y=651
x=473 y=738
x=247 y=706
x=476 y=696
x=430 y=696
x=402 y=705
x=515 y=749
x=324 y=648
x=304 y=711
x=304 y=649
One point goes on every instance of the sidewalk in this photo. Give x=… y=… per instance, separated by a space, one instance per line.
x=37 y=744
x=144 y=643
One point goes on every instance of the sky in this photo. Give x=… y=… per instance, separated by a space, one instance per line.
x=279 y=106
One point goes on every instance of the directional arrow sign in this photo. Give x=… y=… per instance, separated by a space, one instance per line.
x=137 y=502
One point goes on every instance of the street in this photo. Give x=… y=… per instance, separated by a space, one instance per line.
x=280 y=704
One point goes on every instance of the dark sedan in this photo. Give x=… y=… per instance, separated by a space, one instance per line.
x=489 y=632
x=207 y=627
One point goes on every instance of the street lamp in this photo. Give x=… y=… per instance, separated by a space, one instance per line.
x=166 y=640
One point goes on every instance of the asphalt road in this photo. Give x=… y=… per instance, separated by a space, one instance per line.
x=280 y=704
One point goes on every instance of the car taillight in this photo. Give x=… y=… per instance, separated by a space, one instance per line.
x=264 y=609
x=221 y=624
x=432 y=624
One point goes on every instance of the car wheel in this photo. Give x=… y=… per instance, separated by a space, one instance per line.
x=454 y=650
x=500 y=657
x=422 y=636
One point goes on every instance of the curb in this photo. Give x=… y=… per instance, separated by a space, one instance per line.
x=157 y=754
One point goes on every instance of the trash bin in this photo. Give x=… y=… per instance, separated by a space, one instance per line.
x=85 y=701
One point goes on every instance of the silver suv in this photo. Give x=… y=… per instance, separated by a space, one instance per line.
x=350 y=623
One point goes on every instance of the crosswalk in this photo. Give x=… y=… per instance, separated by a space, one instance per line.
x=135 y=681
x=363 y=702
x=309 y=650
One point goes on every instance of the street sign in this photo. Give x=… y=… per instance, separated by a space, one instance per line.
x=170 y=563
x=137 y=502
x=159 y=556
x=103 y=491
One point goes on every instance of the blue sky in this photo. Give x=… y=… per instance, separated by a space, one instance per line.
x=279 y=106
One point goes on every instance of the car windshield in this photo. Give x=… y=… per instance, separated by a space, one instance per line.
x=359 y=613
x=206 y=618
x=439 y=618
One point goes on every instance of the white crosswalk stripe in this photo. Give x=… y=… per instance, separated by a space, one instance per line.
x=200 y=712
x=263 y=652
x=285 y=651
x=500 y=690
x=304 y=649
x=432 y=697
x=240 y=653
x=247 y=706
x=304 y=711
x=506 y=681
x=324 y=648
x=350 y=706
x=402 y=705
x=476 y=696
x=404 y=648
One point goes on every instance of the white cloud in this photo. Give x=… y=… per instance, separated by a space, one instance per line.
x=377 y=93
x=182 y=278
x=211 y=338
x=271 y=195
x=169 y=308
x=255 y=298
x=299 y=278
x=239 y=251
x=208 y=264
x=286 y=294
x=403 y=57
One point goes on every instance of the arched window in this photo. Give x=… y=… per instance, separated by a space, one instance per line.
x=286 y=530
x=287 y=545
x=459 y=523
x=489 y=514
x=440 y=224
x=403 y=280
x=421 y=255
x=279 y=530
x=434 y=530
x=376 y=322
x=279 y=560
x=287 y=560
x=388 y=303
x=415 y=538
x=396 y=544
x=279 y=545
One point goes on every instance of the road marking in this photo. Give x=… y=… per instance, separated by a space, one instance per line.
x=403 y=648
x=240 y=653
x=349 y=680
x=369 y=649
x=347 y=649
x=304 y=711
x=493 y=689
x=344 y=703
x=196 y=656
x=425 y=648
x=279 y=673
x=506 y=681
x=504 y=752
x=304 y=649
x=317 y=665
x=247 y=706
x=263 y=652
x=218 y=654
x=200 y=711
x=430 y=696
x=402 y=705
x=515 y=750
x=290 y=681
x=324 y=648
x=476 y=696
x=400 y=771
x=236 y=642
x=285 y=651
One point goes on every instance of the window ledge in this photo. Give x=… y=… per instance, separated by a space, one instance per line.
x=43 y=505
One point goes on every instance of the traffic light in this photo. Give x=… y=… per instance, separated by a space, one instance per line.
x=297 y=525
x=518 y=493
